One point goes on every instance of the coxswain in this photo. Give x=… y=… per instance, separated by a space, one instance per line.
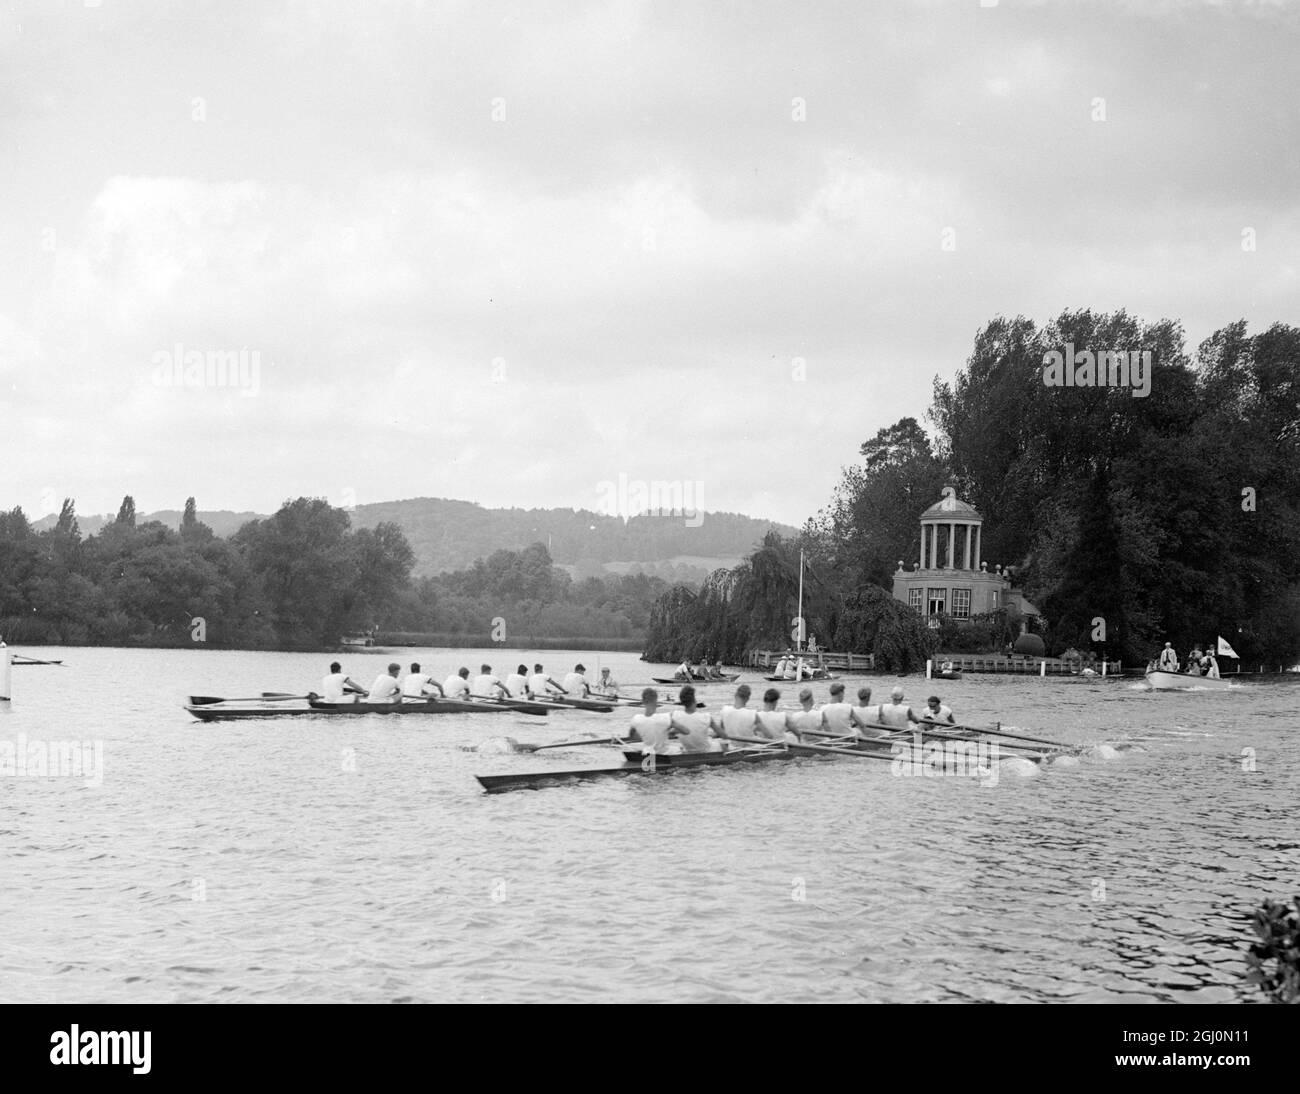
x=772 y=723
x=456 y=686
x=651 y=726
x=837 y=714
x=607 y=685
x=517 y=682
x=738 y=720
x=897 y=714
x=1168 y=661
x=866 y=718
x=936 y=712
x=575 y=683
x=690 y=727
x=416 y=684
x=386 y=689
x=539 y=684
x=487 y=686
x=806 y=718
x=337 y=686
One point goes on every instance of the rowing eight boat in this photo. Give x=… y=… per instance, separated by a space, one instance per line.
x=635 y=764
x=320 y=708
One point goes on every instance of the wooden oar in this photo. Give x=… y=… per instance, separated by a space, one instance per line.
x=19 y=659
x=208 y=700
x=521 y=747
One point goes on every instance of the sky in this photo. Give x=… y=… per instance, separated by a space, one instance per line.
x=515 y=253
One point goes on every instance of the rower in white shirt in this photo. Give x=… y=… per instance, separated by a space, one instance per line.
x=896 y=713
x=575 y=683
x=517 y=682
x=487 y=686
x=866 y=718
x=837 y=714
x=418 y=685
x=337 y=687
x=386 y=689
x=456 y=686
x=691 y=727
x=652 y=726
x=738 y=720
x=539 y=684
x=772 y=723
x=806 y=718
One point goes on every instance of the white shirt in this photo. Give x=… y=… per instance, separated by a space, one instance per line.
x=698 y=737
x=868 y=716
x=738 y=721
x=808 y=719
x=943 y=714
x=332 y=687
x=894 y=715
x=575 y=684
x=653 y=730
x=608 y=685
x=413 y=684
x=485 y=685
x=537 y=684
x=455 y=685
x=383 y=689
x=837 y=718
x=517 y=685
x=771 y=723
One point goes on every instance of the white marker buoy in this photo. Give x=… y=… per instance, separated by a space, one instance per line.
x=1042 y=668
x=929 y=664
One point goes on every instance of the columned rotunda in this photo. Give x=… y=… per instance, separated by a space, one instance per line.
x=951 y=578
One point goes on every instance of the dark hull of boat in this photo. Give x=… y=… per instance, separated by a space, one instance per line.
x=954 y=675
x=725 y=678
x=17 y=664
x=336 y=710
x=805 y=680
x=581 y=704
x=663 y=765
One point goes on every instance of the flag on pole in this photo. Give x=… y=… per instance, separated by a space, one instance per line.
x=1226 y=650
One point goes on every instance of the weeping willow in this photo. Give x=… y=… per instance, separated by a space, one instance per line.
x=752 y=607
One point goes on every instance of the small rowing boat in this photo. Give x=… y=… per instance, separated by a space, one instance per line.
x=725 y=678
x=807 y=679
x=1159 y=680
x=18 y=659
x=319 y=708
x=635 y=764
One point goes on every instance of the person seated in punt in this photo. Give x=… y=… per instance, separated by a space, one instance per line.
x=336 y=687
x=936 y=712
x=946 y=667
x=685 y=672
x=651 y=727
x=419 y=685
x=692 y=728
x=386 y=689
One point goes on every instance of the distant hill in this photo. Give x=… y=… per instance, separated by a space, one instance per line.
x=449 y=535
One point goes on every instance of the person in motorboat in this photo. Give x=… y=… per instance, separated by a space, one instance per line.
x=1168 y=661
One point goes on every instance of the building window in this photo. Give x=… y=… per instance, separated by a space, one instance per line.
x=938 y=599
x=915 y=599
x=961 y=603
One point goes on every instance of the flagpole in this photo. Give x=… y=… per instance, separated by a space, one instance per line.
x=799 y=638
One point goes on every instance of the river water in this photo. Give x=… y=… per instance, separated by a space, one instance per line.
x=358 y=859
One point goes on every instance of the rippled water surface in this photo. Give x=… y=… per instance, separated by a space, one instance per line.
x=333 y=859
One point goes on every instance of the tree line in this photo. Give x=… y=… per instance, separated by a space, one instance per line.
x=300 y=579
x=1129 y=518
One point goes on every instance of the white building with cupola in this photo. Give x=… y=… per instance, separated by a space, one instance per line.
x=950 y=577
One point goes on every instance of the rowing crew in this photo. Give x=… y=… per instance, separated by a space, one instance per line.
x=692 y=730
x=392 y=686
